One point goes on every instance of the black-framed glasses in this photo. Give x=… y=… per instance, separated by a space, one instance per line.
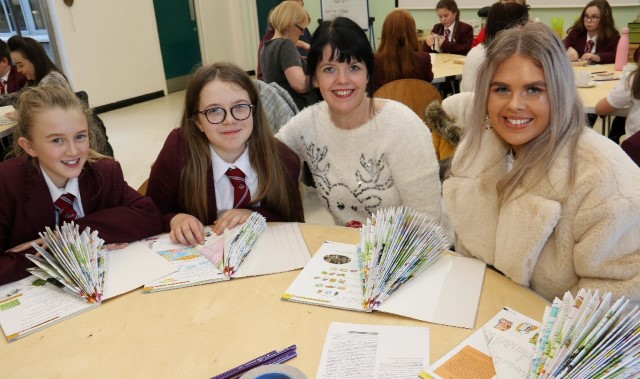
x=591 y=18
x=300 y=28
x=216 y=115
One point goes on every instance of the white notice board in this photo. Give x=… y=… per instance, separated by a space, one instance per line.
x=357 y=10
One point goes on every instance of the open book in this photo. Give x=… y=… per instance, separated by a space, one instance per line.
x=260 y=248
x=32 y=304
x=397 y=268
x=582 y=337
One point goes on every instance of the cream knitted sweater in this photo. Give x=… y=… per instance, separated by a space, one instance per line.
x=388 y=161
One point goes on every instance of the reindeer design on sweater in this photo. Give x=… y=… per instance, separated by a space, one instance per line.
x=349 y=203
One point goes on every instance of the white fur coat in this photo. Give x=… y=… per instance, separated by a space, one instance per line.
x=552 y=238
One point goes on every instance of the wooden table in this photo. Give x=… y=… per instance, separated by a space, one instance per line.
x=201 y=331
x=6 y=129
x=591 y=96
x=444 y=67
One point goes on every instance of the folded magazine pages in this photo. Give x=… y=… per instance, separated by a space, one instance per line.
x=589 y=336
x=74 y=274
x=398 y=267
x=75 y=261
x=251 y=249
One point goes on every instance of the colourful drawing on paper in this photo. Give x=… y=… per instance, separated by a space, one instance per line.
x=185 y=254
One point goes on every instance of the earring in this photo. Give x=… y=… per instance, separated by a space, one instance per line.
x=487 y=123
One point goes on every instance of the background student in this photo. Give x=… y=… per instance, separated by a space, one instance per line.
x=482 y=35
x=223 y=162
x=450 y=35
x=533 y=192
x=10 y=79
x=364 y=153
x=280 y=59
x=625 y=94
x=501 y=16
x=32 y=61
x=56 y=176
x=302 y=44
x=593 y=37
x=398 y=56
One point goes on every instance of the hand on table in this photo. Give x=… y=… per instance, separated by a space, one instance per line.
x=590 y=57
x=186 y=230
x=230 y=219
x=572 y=54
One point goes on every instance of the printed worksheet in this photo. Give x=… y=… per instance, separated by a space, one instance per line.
x=373 y=351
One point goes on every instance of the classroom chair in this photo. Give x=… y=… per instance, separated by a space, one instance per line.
x=414 y=93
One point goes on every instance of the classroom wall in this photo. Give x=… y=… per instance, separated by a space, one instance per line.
x=110 y=49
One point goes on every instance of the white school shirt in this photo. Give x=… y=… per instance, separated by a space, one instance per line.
x=5 y=78
x=71 y=187
x=620 y=97
x=222 y=184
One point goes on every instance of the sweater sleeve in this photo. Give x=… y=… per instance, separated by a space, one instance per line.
x=290 y=134
x=120 y=214
x=417 y=182
x=606 y=226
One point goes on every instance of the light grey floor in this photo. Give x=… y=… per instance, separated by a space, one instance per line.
x=137 y=134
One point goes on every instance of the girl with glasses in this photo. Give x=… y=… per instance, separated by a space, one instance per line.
x=535 y=193
x=593 y=37
x=223 y=162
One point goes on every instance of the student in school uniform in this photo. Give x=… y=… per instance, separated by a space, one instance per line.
x=32 y=61
x=593 y=37
x=534 y=192
x=482 y=35
x=398 y=56
x=450 y=35
x=223 y=162
x=10 y=79
x=56 y=176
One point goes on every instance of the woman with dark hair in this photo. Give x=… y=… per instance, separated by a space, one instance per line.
x=450 y=35
x=398 y=56
x=501 y=16
x=224 y=135
x=32 y=61
x=535 y=193
x=593 y=37
x=364 y=153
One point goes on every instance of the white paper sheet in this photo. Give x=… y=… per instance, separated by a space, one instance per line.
x=133 y=266
x=373 y=351
x=502 y=348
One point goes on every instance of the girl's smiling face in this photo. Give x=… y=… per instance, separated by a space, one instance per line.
x=229 y=137
x=59 y=139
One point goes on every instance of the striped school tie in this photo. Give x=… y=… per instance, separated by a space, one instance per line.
x=241 y=193
x=64 y=207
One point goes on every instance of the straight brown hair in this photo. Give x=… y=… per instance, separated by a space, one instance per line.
x=263 y=148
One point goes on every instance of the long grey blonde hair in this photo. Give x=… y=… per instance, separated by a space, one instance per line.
x=538 y=43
